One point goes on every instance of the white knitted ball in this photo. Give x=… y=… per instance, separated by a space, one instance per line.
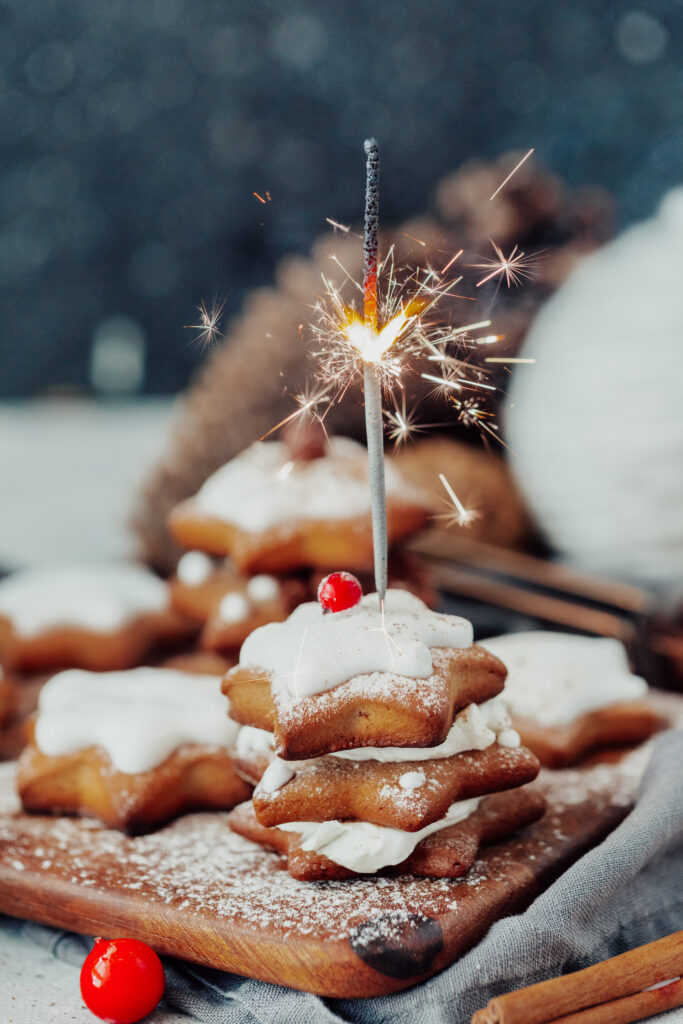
x=597 y=422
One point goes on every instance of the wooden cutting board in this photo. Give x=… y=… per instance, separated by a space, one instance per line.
x=195 y=890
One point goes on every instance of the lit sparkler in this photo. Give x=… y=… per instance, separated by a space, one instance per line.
x=393 y=331
x=372 y=346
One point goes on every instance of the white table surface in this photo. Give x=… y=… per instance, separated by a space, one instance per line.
x=68 y=469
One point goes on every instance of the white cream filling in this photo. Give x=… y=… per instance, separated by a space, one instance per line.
x=263 y=488
x=253 y=742
x=475 y=728
x=98 y=597
x=276 y=775
x=553 y=678
x=312 y=652
x=139 y=716
x=365 y=848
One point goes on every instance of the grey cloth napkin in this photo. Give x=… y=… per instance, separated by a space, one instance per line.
x=626 y=891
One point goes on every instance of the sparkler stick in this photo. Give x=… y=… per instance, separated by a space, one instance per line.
x=372 y=387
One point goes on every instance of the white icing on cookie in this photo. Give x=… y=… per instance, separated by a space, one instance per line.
x=367 y=848
x=234 y=607
x=277 y=774
x=194 y=568
x=139 y=717
x=312 y=652
x=101 y=598
x=553 y=678
x=412 y=780
x=263 y=588
x=254 y=493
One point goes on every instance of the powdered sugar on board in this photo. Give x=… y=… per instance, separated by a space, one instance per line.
x=198 y=867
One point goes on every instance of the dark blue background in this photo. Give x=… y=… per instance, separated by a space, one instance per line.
x=134 y=133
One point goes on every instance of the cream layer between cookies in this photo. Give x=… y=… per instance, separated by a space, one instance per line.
x=367 y=848
x=477 y=727
x=554 y=678
x=139 y=717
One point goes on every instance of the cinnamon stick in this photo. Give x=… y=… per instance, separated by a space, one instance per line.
x=617 y=1011
x=561 y=999
x=630 y=1008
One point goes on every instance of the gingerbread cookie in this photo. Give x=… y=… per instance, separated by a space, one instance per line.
x=333 y=682
x=131 y=748
x=570 y=695
x=99 y=617
x=272 y=513
x=338 y=850
x=230 y=605
x=406 y=795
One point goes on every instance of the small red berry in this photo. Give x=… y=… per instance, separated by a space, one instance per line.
x=339 y=591
x=122 y=980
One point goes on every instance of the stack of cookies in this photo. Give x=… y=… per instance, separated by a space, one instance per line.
x=377 y=739
x=262 y=526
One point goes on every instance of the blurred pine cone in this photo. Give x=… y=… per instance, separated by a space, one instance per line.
x=247 y=384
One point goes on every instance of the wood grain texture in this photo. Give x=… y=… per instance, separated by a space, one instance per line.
x=195 y=890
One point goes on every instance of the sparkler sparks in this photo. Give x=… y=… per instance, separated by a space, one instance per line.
x=381 y=329
x=512 y=172
x=308 y=402
x=403 y=424
x=513 y=268
x=208 y=327
x=457 y=513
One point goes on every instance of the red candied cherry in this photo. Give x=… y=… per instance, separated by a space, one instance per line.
x=339 y=591
x=122 y=980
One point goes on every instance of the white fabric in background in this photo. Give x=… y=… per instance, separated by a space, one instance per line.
x=596 y=424
x=68 y=470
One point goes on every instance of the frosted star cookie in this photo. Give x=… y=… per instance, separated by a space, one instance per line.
x=403 y=794
x=228 y=604
x=570 y=695
x=133 y=748
x=98 y=617
x=272 y=513
x=332 y=682
x=338 y=850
